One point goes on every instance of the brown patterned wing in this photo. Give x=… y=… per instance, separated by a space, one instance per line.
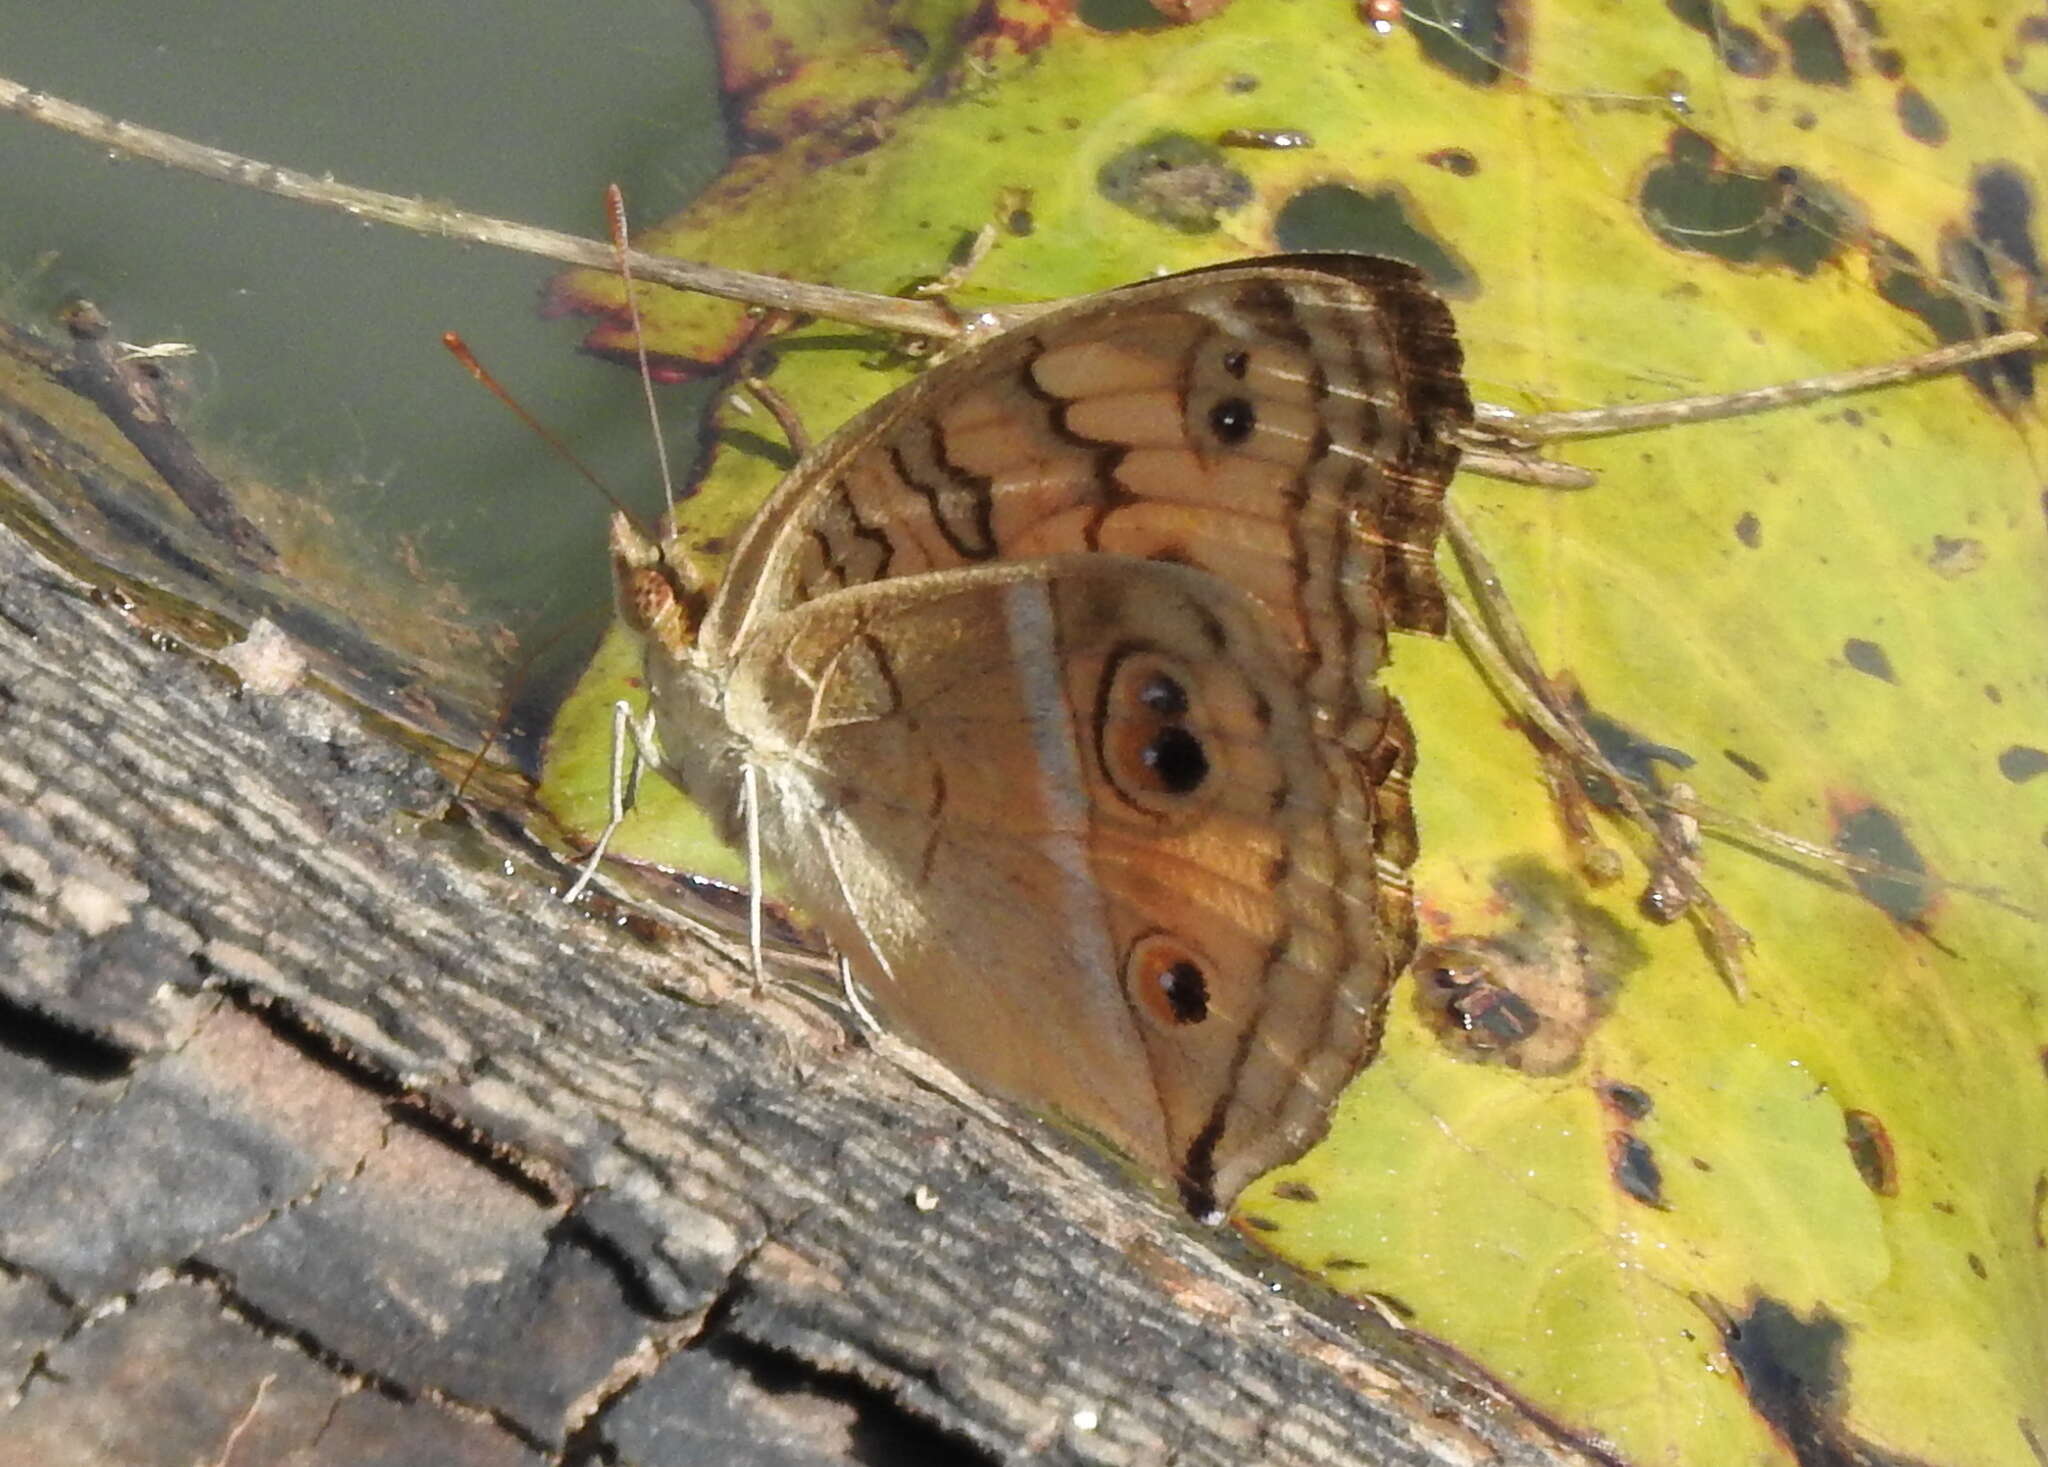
x=1287 y=424
x=1075 y=824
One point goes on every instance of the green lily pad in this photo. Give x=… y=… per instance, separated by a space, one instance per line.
x=1802 y=1227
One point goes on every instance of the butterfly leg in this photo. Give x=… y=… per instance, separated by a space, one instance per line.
x=632 y=753
x=750 y=811
x=850 y=991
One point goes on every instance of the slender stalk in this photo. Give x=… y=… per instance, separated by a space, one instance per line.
x=1711 y=407
x=882 y=312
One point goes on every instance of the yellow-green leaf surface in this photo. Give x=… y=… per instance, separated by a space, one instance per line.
x=1803 y=1227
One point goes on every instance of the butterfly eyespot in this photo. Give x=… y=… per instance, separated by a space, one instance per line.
x=1167 y=981
x=1149 y=742
x=1163 y=694
x=1232 y=420
x=1237 y=363
x=1176 y=759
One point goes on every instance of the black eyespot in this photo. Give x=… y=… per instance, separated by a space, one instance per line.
x=1152 y=740
x=1232 y=420
x=1164 y=696
x=1185 y=991
x=1175 y=757
x=1167 y=980
x=1236 y=363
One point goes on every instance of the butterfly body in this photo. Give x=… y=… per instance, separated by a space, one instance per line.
x=1057 y=673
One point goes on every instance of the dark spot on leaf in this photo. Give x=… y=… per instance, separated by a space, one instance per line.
x=1870 y=1148
x=1175 y=181
x=1334 y=216
x=1868 y=657
x=1791 y=1369
x=1473 y=40
x=1739 y=48
x=1530 y=996
x=1991 y=692
x=1119 y=15
x=1749 y=530
x=1920 y=118
x=1631 y=753
x=1635 y=1170
x=2001 y=218
x=1875 y=834
x=1903 y=281
x=1999 y=245
x=1889 y=62
x=911 y=44
x=1815 y=49
x=1240 y=83
x=1695 y=201
x=2023 y=762
x=1748 y=766
x=1296 y=1192
x=2027 y=62
x=1627 y=1101
x=1262 y=1224
x=1953 y=556
x=1977 y=1266
x=1453 y=160
x=1339 y=1263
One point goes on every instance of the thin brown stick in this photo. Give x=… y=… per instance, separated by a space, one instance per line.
x=882 y=312
x=1480 y=454
x=780 y=409
x=1712 y=407
x=1850 y=36
x=1500 y=646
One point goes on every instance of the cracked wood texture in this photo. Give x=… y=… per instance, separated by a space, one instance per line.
x=327 y=1142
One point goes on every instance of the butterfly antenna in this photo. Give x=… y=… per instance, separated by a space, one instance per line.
x=459 y=349
x=615 y=211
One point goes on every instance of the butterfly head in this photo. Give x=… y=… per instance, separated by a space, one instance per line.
x=660 y=590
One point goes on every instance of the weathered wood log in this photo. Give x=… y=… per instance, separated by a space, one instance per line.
x=329 y=1141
